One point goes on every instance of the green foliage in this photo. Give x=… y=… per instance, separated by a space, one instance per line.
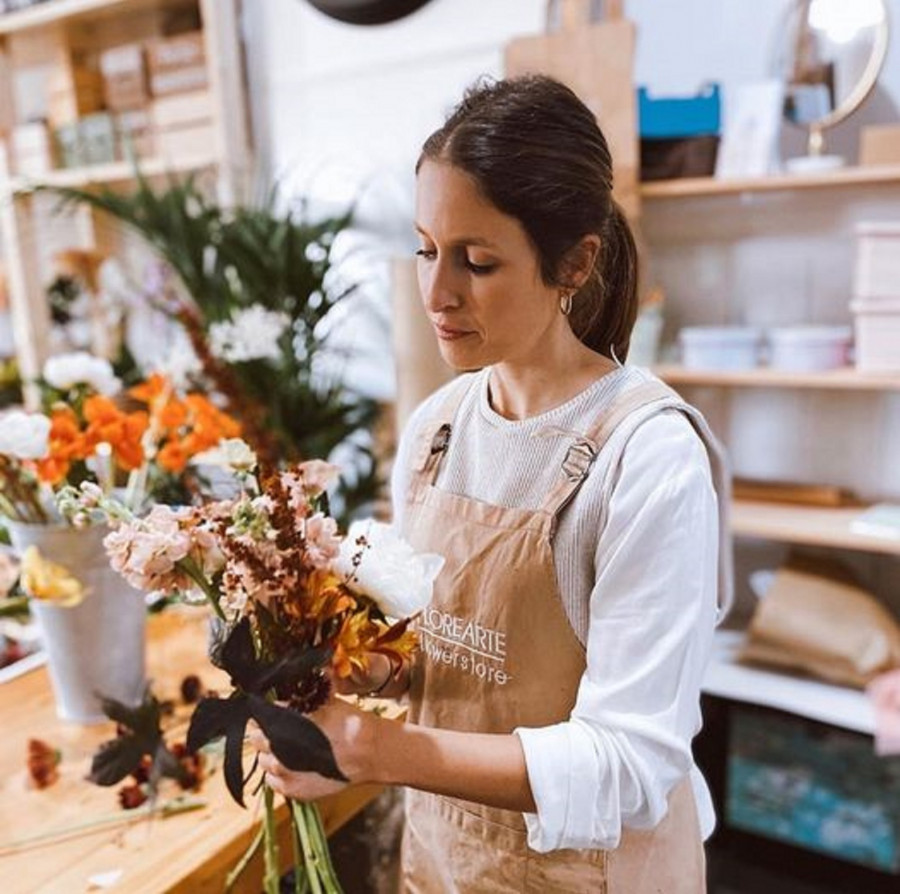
x=229 y=259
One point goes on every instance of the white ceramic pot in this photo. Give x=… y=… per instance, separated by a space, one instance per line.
x=95 y=648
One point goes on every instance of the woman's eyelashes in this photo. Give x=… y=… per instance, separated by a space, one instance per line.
x=479 y=269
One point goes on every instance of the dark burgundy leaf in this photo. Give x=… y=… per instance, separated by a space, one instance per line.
x=212 y=717
x=296 y=741
x=234 y=764
x=115 y=760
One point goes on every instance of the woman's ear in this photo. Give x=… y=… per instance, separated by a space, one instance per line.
x=579 y=261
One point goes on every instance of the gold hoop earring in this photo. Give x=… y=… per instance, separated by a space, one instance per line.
x=565 y=302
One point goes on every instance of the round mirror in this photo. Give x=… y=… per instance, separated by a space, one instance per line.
x=830 y=55
x=367 y=12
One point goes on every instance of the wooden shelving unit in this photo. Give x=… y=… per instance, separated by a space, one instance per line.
x=55 y=11
x=839 y=379
x=806 y=525
x=48 y=34
x=689 y=187
x=827 y=703
x=114 y=172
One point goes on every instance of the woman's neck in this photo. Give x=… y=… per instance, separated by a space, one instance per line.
x=522 y=390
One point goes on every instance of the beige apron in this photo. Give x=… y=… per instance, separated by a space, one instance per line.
x=498 y=652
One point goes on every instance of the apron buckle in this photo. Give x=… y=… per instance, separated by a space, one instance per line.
x=441 y=439
x=579 y=458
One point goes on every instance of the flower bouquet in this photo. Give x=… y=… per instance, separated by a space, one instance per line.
x=293 y=615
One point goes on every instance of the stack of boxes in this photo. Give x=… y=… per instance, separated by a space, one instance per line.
x=133 y=101
x=876 y=303
x=181 y=112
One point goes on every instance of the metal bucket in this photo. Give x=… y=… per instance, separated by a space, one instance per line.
x=96 y=648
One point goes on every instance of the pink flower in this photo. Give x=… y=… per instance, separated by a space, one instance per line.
x=323 y=544
x=306 y=481
x=145 y=550
x=317 y=475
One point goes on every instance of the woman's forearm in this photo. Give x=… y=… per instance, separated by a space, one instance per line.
x=487 y=769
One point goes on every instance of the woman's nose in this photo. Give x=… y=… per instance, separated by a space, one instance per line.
x=440 y=290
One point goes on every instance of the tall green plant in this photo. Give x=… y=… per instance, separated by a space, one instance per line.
x=230 y=259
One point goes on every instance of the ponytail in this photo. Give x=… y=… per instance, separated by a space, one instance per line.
x=606 y=307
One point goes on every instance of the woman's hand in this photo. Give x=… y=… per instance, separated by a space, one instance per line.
x=352 y=736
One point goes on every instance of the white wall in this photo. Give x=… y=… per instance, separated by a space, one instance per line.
x=342 y=109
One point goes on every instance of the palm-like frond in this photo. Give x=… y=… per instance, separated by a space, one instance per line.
x=233 y=258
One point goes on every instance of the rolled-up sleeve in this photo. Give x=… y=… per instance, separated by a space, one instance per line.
x=627 y=742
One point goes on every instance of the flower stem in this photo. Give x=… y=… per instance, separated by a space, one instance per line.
x=241 y=865
x=310 y=858
x=190 y=568
x=320 y=843
x=301 y=878
x=272 y=878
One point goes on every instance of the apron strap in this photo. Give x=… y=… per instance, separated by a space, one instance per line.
x=584 y=449
x=582 y=452
x=433 y=437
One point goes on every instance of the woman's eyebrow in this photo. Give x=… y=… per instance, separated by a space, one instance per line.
x=463 y=240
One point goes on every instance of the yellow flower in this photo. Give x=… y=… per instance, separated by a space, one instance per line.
x=45 y=580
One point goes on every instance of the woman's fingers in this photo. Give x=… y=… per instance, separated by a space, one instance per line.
x=270 y=764
x=257 y=738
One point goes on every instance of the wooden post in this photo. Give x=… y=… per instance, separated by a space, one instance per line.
x=225 y=63
x=28 y=308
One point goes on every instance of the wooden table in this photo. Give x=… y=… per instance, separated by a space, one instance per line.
x=190 y=853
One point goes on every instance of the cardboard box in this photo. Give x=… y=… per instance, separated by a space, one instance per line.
x=879 y=144
x=33 y=149
x=182 y=110
x=177 y=64
x=124 y=78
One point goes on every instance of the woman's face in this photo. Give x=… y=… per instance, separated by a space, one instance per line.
x=479 y=275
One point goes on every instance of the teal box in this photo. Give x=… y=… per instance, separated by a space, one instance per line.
x=668 y=118
x=813 y=786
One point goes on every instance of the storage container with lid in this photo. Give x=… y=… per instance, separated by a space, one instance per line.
x=809 y=348
x=877 y=273
x=720 y=347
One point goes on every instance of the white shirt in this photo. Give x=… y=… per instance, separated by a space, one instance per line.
x=636 y=558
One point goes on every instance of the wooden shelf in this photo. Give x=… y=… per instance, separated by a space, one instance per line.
x=711 y=186
x=827 y=703
x=52 y=12
x=848 y=379
x=114 y=172
x=806 y=525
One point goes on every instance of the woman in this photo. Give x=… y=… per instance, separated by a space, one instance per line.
x=556 y=694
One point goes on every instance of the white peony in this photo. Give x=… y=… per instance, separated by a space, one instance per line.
x=230 y=453
x=24 y=435
x=391 y=572
x=80 y=368
x=251 y=334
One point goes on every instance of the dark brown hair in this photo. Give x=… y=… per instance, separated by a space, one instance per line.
x=536 y=153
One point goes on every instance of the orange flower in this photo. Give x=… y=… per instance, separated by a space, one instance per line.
x=122 y=431
x=66 y=443
x=173 y=415
x=151 y=389
x=173 y=457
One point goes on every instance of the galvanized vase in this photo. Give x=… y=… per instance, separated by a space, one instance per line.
x=96 y=648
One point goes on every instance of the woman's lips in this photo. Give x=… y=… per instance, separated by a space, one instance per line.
x=446 y=333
